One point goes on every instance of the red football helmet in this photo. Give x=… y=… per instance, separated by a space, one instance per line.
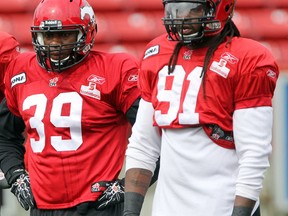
x=61 y=16
x=190 y=20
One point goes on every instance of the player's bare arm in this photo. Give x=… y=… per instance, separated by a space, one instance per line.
x=243 y=206
x=138 y=180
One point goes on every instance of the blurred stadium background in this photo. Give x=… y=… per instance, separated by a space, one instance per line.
x=127 y=26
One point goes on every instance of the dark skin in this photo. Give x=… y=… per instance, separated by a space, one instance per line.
x=54 y=39
x=137 y=180
x=192 y=13
x=242 y=206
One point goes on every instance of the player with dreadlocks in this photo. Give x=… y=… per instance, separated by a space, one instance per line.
x=210 y=92
x=76 y=107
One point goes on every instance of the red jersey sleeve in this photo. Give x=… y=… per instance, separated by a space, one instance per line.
x=256 y=81
x=9 y=91
x=129 y=91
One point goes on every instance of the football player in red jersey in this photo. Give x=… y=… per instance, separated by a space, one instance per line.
x=210 y=92
x=76 y=106
x=9 y=49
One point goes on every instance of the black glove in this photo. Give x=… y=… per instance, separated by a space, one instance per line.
x=112 y=195
x=22 y=190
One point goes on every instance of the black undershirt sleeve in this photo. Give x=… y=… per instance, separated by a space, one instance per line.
x=11 y=141
x=132 y=111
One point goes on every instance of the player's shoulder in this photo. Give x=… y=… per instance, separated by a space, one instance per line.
x=7 y=42
x=26 y=55
x=4 y=35
x=161 y=39
x=22 y=61
x=24 y=58
x=160 y=45
x=249 y=47
x=112 y=65
x=248 y=56
x=9 y=47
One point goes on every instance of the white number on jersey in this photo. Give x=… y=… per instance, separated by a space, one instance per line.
x=174 y=96
x=73 y=121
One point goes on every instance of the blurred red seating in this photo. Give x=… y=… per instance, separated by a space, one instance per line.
x=17 y=25
x=129 y=26
x=125 y=5
x=143 y=26
x=262 y=24
x=16 y=6
x=112 y=27
x=279 y=48
x=262 y=4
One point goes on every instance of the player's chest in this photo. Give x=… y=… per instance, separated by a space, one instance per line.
x=180 y=97
x=190 y=79
x=59 y=95
x=86 y=84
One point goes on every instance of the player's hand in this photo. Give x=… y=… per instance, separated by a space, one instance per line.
x=112 y=195
x=22 y=190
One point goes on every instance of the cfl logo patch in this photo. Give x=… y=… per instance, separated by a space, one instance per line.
x=18 y=79
x=154 y=50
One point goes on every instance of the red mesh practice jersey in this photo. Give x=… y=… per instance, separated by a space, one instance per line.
x=75 y=121
x=241 y=74
x=9 y=49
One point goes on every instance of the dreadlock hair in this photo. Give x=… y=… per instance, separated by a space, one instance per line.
x=230 y=30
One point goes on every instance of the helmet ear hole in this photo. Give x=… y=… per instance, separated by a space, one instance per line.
x=228 y=8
